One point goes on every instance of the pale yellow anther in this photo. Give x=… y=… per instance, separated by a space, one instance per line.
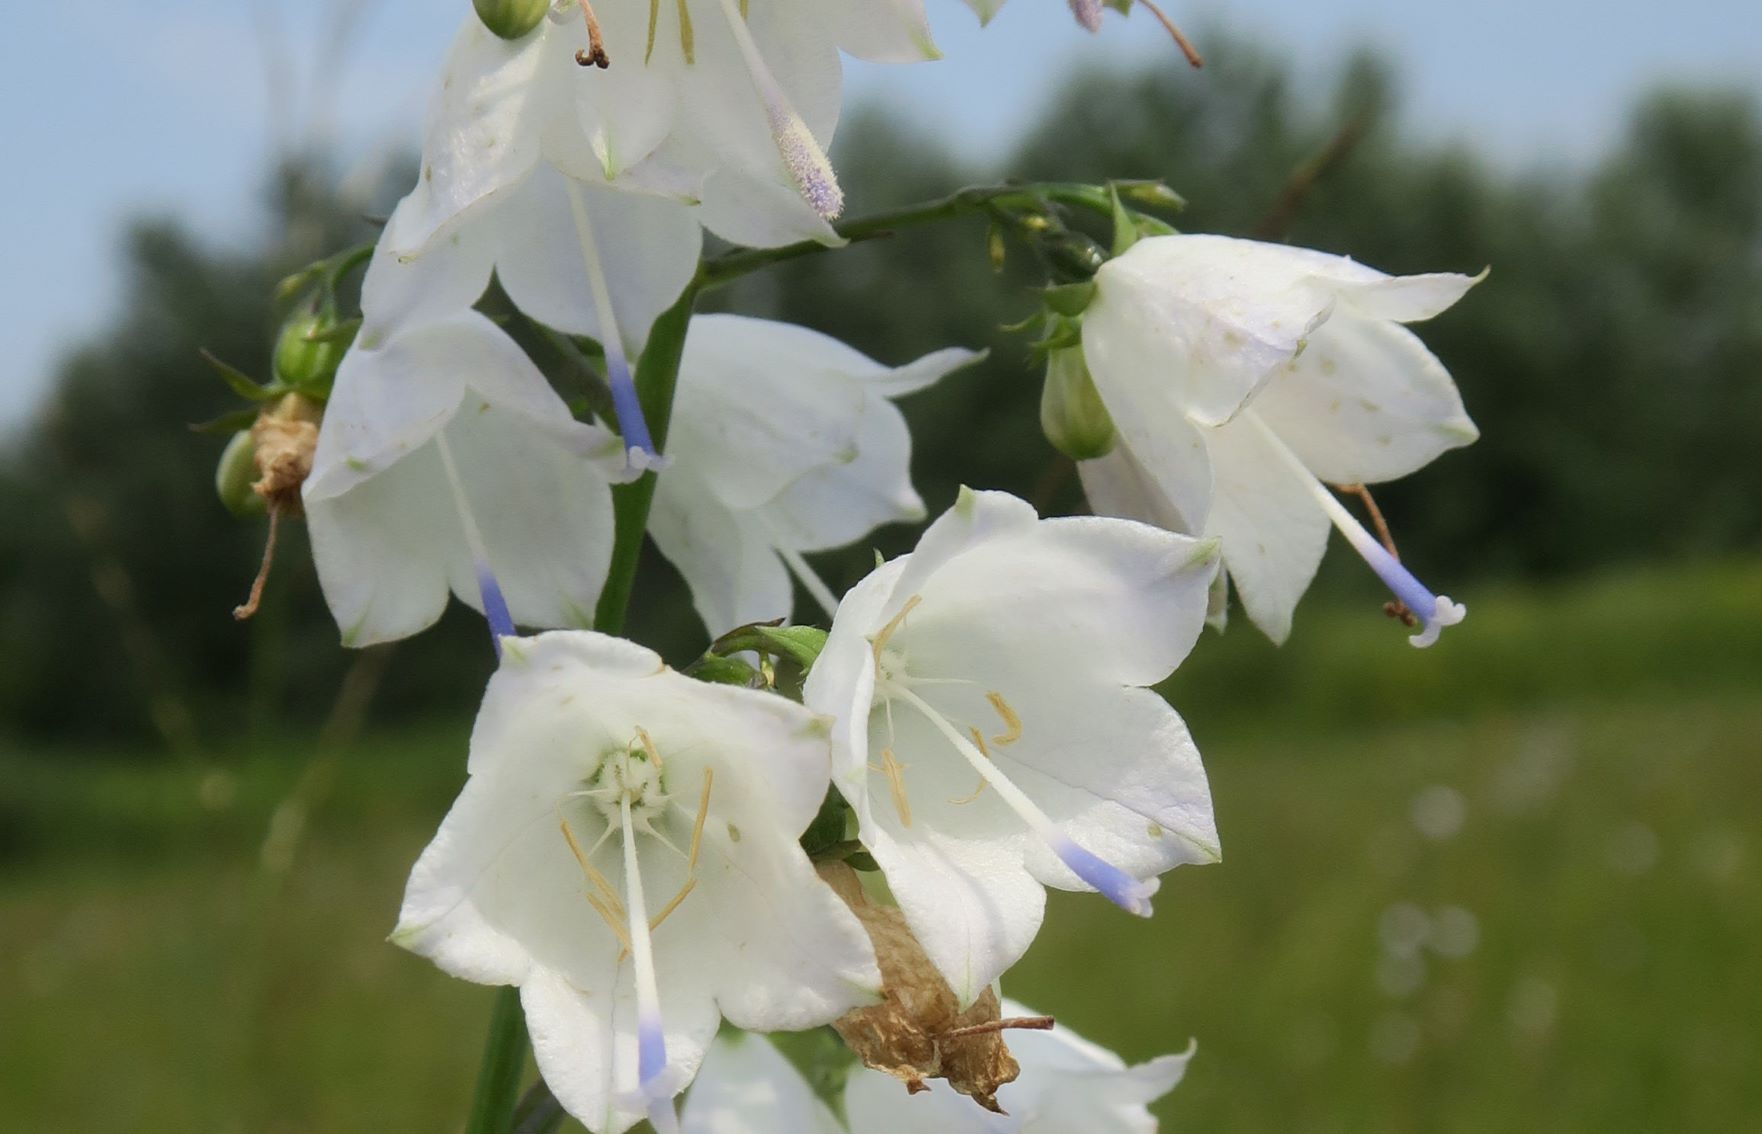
x=895 y=772
x=606 y=894
x=879 y=641
x=697 y=825
x=684 y=892
x=979 y=743
x=648 y=746
x=1012 y=724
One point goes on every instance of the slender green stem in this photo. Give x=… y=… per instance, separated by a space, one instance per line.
x=657 y=377
x=998 y=200
x=504 y=1060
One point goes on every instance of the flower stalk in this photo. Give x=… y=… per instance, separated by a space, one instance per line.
x=657 y=374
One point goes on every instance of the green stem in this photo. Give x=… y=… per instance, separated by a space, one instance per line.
x=657 y=376
x=504 y=1060
x=999 y=200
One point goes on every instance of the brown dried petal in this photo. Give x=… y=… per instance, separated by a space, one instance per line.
x=908 y=1035
x=285 y=439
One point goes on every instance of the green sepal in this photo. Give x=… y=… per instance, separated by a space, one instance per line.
x=241 y=383
x=1061 y=335
x=826 y=834
x=1125 y=225
x=1071 y=411
x=723 y=671
x=799 y=644
x=226 y=424
x=1069 y=300
x=1153 y=226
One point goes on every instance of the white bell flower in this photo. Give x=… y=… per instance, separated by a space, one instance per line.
x=728 y=103
x=994 y=734
x=1241 y=376
x=584 y=186
x=625 y=852
x=445 y=461
x=784 y=441
x=1067 y=1085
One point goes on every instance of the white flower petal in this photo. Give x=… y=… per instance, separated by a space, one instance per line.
x=485 y=128
x=747 y=1087
x=1127 y=597
x=1366 y=402
x=1405 y=299
x=881 y=31
x=648 y=248
x=760 y=404
x=1272 y=531
x=1194 y=325
x=734 y=575
x=969 y=901
x=1067 y=1085
x=794 y=956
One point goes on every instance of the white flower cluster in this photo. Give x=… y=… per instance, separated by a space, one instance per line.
x=979 y=721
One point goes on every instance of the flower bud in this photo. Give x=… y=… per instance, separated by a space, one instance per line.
x=511 y=19
x=234 y=474
x=308 y=352
x=1071 y=410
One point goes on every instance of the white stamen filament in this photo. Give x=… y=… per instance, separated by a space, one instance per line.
x=807 y=163
x=473 y=537
x=1434 y=611
x=639 y=448
x=815 y=585
x=1030 y=812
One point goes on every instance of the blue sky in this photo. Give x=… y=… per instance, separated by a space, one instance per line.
x=170 y=105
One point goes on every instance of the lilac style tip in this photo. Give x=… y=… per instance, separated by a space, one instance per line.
x=631 y=424
x=651 y=1052
x=1434 y=611
x=495 y=607
x=1123 y=890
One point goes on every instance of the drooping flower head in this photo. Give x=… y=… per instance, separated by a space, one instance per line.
x=784 y=441
x=1243 y=378
x=625 y=852
x=438 y=437
x=994 y=734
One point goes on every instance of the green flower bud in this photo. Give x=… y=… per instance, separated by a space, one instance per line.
x=234 y=475
x=307 y=353
x=511 y=19
x=1071 y=412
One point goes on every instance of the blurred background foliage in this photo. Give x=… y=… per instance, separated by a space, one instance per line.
x=1613 y=361
x=1505 y=885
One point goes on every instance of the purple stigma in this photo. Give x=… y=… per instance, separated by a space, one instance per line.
x=1123 y=890
x=495 y=608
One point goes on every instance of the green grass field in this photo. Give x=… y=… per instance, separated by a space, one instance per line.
x=1509 y=885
